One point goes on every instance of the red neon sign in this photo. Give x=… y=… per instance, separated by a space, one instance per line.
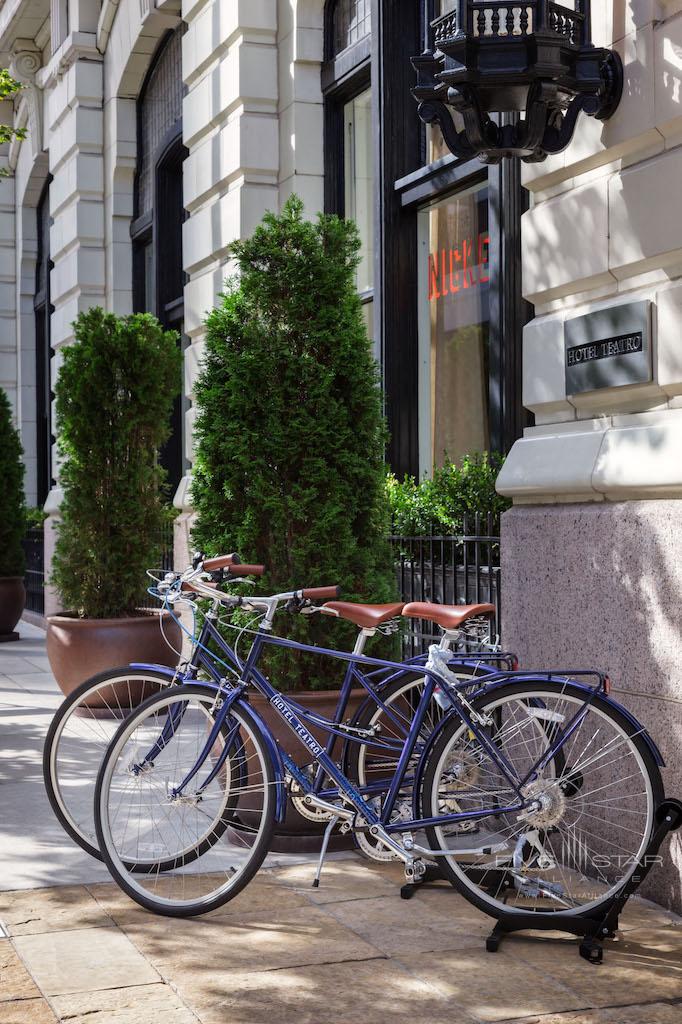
x=452 y=270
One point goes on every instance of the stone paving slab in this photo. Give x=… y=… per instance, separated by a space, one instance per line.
x=27 y=1011
x=15 y=980
x=83 y=961
x=135 y=1005
x=649 y=1013
x=374 y=992
x=35 y=911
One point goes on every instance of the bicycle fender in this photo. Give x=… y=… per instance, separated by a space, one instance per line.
x=164 y=670
x=644 y=733
x=587 y=690
x=281 y=804
x=625 y=712
x=419 y=771
x=275 y=754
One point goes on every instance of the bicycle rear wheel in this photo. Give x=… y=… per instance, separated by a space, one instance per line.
x=592 y=812
x=78 y=737
x=140 y=816
x=374 y=766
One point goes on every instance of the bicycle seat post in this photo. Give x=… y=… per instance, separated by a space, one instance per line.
x=448 y=639
x=362 y=638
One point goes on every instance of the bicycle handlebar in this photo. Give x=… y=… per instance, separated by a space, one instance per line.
x=221 y=562
x=321 y=593
x=244 y=570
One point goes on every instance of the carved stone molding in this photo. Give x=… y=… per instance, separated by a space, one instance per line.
x=25 y=62
x=77 y=46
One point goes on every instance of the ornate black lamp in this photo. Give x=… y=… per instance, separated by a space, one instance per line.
x=532 y=63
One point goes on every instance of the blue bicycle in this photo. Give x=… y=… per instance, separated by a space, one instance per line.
x=85 y=722
x=535 y=791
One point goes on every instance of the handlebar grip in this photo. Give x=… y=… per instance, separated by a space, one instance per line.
x=244 y=570
x=220 y=562
x=321 y=593
x=188 y=588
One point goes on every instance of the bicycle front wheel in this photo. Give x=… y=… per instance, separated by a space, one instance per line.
x=204 y=838
x=589 y=813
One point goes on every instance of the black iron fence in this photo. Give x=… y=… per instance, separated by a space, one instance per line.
x=34 y=579
x=34 y=549
x=449 y=569
x=166 y=541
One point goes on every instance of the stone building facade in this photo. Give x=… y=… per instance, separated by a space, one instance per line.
x=161 y=130
x=592 y=572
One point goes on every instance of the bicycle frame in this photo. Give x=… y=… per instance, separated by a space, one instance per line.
x=372 y=682
x=294 y=715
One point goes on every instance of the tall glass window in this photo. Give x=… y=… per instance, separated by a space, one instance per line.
x=158 y=277
x=453 y=267
x=359 y=180
x=349 y=137
x=44 y=352
x=352 y=21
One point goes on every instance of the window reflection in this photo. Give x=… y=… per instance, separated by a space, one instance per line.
x=454 y=262
x=359 y=180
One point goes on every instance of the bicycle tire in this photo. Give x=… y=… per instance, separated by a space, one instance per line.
x=456 y=874
x=128 y=880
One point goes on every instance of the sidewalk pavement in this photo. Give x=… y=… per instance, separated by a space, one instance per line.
x=74 y=948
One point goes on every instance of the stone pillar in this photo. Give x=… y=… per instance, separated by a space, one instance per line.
x=591 y=565
x=301 y=125
x=73 y=82
x=230 y=127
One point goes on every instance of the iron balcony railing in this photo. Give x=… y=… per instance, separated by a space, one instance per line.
x=447 y=568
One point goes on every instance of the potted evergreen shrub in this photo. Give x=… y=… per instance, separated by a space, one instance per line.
x=12 y=524
x=114 y=395
x=290 y=435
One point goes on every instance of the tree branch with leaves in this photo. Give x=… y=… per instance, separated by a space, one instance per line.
x=9 y=88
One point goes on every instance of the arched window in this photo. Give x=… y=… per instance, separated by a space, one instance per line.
x=351 y=22
x=349 y=136
x=42 y=310
x=158 y=277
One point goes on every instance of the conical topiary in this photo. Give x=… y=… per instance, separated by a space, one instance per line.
x=12 y=510
x=114 y=396
x=290 y=435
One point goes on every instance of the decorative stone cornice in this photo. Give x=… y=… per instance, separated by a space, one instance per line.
x=25 y=63
x=77 y=46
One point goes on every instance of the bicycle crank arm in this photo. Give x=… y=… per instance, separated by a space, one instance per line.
x=344 y=813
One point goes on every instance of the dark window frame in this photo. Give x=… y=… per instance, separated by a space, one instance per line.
x=405 y=184
x=160 y=229
x=344 y=76
x=42 y=311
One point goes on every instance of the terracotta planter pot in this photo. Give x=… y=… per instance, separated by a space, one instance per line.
x=12 y=602
x=297 y=834
x=80 y=648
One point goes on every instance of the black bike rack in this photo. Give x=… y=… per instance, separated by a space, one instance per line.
x=432 y=873
x=593 y=928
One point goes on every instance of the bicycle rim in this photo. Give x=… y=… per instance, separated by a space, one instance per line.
x=77 y=740
x=139 y=817
x=593 y=817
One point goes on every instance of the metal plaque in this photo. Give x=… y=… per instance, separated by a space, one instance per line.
x=608 y=348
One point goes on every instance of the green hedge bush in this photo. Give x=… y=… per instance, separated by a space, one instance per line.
x=12 y=511
x=114 y=397
x=455 y=490
x=290 y=435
